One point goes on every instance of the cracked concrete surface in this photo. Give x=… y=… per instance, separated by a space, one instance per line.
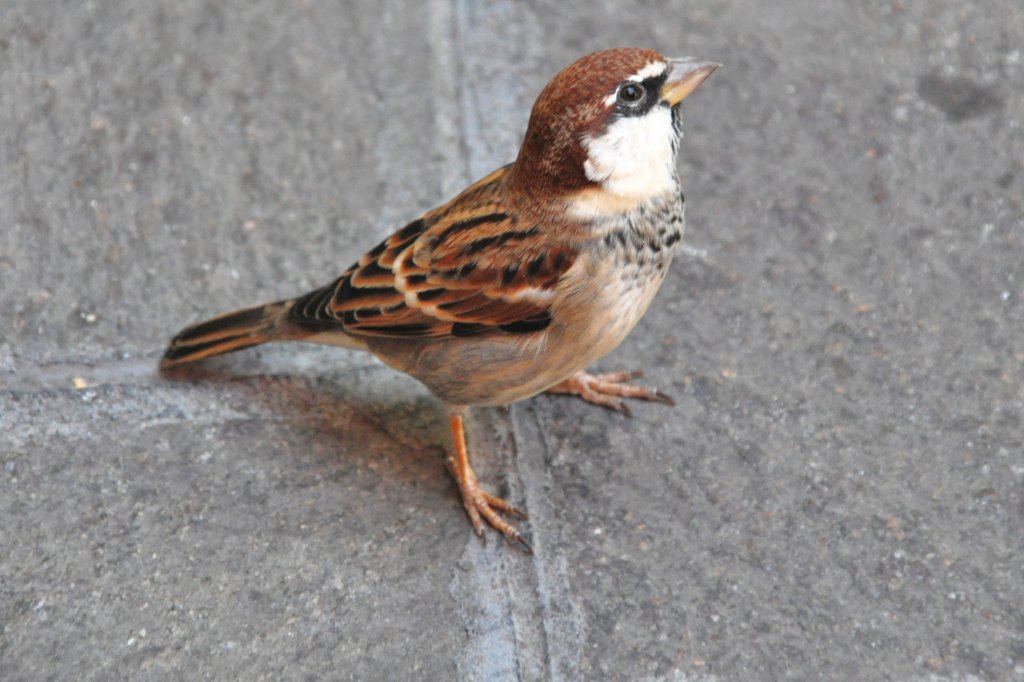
x=838 y=494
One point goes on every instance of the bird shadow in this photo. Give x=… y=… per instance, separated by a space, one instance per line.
x=378 y=419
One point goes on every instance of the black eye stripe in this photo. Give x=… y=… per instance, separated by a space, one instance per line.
x=651 y=96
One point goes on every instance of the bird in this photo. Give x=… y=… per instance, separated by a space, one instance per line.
x=519 y=283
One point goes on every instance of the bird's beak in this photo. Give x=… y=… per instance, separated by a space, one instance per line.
x=683 y=78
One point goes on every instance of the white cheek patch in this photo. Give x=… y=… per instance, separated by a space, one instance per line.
x=633 y=157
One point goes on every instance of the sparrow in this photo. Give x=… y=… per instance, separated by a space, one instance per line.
x=524 y=279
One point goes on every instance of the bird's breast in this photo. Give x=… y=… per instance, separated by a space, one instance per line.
x=620 y=275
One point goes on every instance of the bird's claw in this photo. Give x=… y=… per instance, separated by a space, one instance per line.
x=608 y=390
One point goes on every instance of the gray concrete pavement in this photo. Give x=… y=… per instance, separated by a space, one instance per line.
x=838 y=494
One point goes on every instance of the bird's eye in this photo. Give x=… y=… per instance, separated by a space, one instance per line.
x=631 y=93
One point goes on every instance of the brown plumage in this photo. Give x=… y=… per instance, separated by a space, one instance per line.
x=517 y=284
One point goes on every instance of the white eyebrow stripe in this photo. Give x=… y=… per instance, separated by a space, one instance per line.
x=650 y=70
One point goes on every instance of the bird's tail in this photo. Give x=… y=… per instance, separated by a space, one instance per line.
x=230 y=332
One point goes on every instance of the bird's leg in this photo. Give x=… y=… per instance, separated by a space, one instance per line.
x=477 y=502
x=608 y=390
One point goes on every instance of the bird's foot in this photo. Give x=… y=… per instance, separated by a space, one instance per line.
x=481 y=505
x=608 y=390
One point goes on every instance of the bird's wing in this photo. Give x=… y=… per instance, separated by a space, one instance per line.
x=469 y=267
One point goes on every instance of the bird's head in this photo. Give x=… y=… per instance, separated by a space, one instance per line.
x=609 y=123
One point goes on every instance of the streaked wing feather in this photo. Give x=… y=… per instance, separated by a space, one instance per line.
x=469 y=267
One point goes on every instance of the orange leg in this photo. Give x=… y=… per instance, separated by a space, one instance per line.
x=477 y=502
x=607 y=390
